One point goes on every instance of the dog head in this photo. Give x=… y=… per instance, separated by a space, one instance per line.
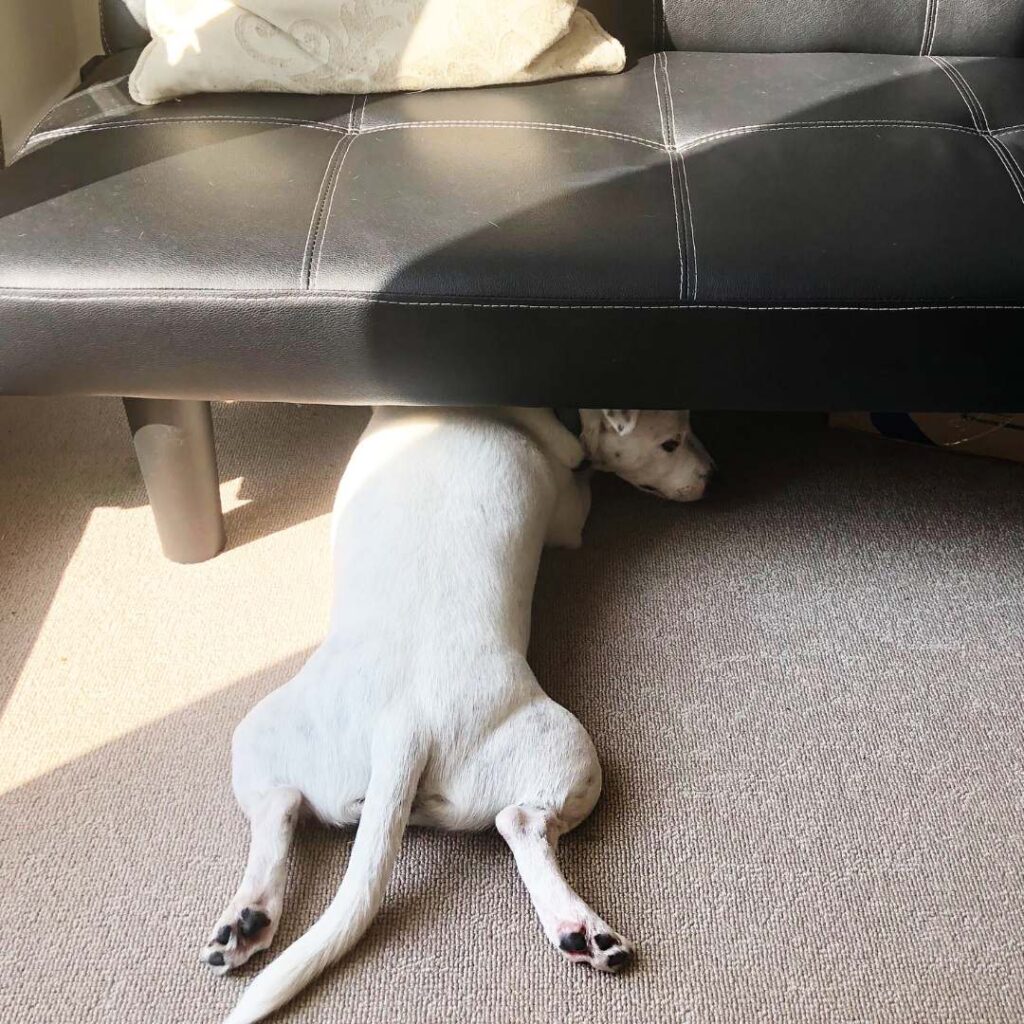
x=653 y=450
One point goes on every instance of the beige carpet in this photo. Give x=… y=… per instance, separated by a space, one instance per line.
x=806 y=692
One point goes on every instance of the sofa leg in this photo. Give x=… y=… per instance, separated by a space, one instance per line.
x=174 y=444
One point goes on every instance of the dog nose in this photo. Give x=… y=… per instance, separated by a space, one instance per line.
x=710 y=478
x=696 y=446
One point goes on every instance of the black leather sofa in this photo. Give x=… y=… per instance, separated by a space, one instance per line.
x=786 y=204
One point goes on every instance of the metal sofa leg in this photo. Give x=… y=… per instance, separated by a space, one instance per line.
x=174 y=444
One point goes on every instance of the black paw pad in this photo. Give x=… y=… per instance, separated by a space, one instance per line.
x=618 y=959
x=574 y=942
x=251 y=922
x=215 y=959
x=604 y=941
x=223 y=937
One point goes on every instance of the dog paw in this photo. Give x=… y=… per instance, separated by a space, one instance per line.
x=597 y=947
x=237 y=937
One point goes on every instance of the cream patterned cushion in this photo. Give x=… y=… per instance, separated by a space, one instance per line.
x=359 y=46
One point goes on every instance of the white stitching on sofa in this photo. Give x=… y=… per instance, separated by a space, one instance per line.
x=601 y=133
x=330 y=207
x=103 y=296
x=928 y=32
x=1009 y=161
x=317 y=214
x=355 y=122
x=693 y=236
x=977 y=110
x=1004 y=151
x=1010 y=165
x=31 y=138
x=672 y=175
x=674 y=307
x=1009 y=128
x=935 y=25
x=59 y=133
x=966 y=92
x=62 y=133
x=682 y=170
x=751 y=129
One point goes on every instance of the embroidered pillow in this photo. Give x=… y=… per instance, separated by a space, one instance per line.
x=357 y=46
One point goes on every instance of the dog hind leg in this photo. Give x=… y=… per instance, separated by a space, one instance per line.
x=397 y=761
x=249 y=923
x=532 y=834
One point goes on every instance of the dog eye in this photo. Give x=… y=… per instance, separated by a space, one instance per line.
x=670 y=445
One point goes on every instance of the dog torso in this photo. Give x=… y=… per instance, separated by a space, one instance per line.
x=438 y=528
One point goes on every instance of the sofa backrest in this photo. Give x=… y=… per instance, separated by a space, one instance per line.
x=122 y=24
x=962 y=27
x=952 y=27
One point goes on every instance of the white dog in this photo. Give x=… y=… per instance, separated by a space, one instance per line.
x=419 y=706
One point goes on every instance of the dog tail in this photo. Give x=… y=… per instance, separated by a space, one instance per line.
x=394 y=777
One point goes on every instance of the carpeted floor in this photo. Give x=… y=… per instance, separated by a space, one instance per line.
x=806 y=693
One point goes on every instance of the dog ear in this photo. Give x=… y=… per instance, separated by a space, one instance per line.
x=622 y=421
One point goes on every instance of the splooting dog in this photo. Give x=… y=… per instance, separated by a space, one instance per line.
x=419 y=707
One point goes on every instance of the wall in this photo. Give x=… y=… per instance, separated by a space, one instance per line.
x=43 y=43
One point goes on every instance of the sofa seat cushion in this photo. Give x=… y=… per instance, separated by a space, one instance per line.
x=704 y=229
